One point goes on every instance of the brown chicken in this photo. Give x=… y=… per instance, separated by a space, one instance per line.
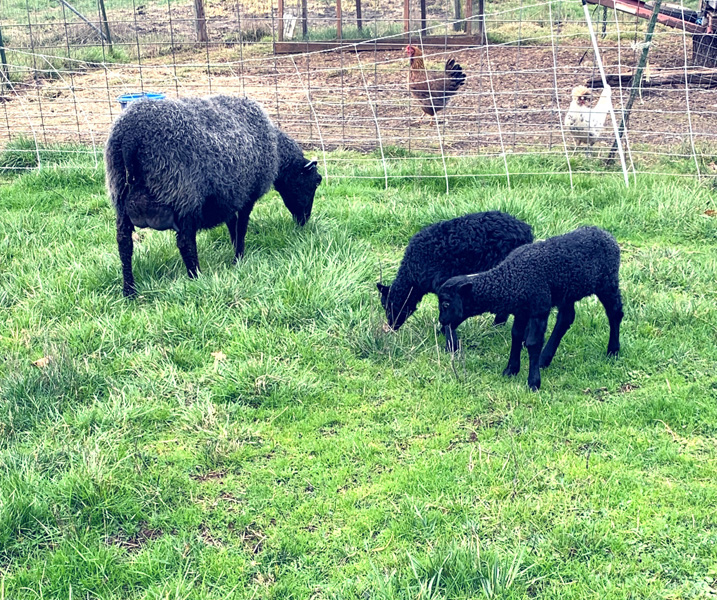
x=432 y=89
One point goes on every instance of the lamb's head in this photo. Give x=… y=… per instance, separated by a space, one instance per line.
x=453 y=298
x=397 y=308
x=297 y=185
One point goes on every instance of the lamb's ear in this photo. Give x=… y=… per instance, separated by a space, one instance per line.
x=311 y=164
x=464 y=289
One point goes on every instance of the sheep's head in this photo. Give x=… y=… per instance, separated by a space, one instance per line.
x=298 y=188
x=397 y=309
x=452 y=298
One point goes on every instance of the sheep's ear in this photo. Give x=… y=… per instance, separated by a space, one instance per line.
x=464 y=289
x=382 y=288
x=311 y=164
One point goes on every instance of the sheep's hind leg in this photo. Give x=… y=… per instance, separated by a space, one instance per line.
x=566 y=316
x=187 y=244
x=237 y=225
x=125 y=246
x=517 y=335
x=534 y=341
x=612 y=302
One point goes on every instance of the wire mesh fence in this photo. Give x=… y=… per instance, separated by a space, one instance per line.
x=337 y=82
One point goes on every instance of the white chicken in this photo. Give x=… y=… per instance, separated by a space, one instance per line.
x=584 y=123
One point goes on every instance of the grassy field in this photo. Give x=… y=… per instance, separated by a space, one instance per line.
x=254 y=434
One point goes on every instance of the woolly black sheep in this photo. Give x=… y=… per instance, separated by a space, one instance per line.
x=556 y=272
x=194 y=163
x=468 y=244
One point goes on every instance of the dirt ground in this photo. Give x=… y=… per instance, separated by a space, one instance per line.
x=344 y=99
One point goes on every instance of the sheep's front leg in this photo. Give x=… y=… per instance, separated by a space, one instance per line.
x=187 y=244
x=566 y=316
x=451 y=338
x=517 y=336
x=237 y=225
x=126 y=247
x=534 y=342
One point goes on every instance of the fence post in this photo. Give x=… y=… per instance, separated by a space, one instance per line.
x=106 y=23
x=636 y=80
x=469 y=14
x=423 y=16
x=359 y=20
x=406 y=16
x=201 y=21
x=339 y=29
x=280 y=10
x=304 y=19
x=482 y=38
x=457 y=15
x=5 y=70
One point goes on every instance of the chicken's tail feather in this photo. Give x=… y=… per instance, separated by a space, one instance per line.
x=455 y=72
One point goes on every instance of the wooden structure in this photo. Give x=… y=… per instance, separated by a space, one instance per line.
x=392 y=43
x=702 y=24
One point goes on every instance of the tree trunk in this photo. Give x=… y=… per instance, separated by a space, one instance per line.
x=201 y=21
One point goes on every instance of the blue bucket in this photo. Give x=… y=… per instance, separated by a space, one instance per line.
x=125 y=99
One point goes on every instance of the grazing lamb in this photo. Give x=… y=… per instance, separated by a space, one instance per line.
x=475 y=242
x=556 y=272
x=194 y=163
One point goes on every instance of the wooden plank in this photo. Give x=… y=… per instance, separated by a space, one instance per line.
x=659 y=77
x=637 y=8
x=280 y=10
x=389 y=44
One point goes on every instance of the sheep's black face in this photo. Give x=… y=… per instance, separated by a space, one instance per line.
x=298 y=191
x=396 y=314
x=451 y=303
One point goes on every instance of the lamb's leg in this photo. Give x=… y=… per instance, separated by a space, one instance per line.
x=612 y=301
x=517 y=335
x=451 y=338
x=500 y=319
x=237 y=225
x=534 y=342
x=566 y=316
x=187 y=244
x=126 y=247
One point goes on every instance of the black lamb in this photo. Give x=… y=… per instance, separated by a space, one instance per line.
x=194 y=163
x=468 y=244
x=556 y=272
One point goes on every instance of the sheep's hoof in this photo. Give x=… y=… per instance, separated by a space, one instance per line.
x=510 y=371
x=129 y=292
x=534 y=387
x=613 y=353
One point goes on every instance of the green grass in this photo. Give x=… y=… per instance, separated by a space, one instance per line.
x=322 y=458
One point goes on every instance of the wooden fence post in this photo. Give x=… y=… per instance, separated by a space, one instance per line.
x=339 y=24
x=457 y=15
x=201 y=21
x=423 y=16
x=482 y=37
x=304 y=19
x=469 y=14
x=280 y=11
x=359 y=20
x=406 y=16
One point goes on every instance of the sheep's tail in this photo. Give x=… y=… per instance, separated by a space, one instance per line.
x=122 y=166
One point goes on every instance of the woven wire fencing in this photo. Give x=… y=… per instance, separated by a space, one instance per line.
x=337 y=82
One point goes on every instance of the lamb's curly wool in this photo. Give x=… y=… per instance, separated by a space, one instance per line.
x=193 y=163
x=468 y=244
x=556 y=272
